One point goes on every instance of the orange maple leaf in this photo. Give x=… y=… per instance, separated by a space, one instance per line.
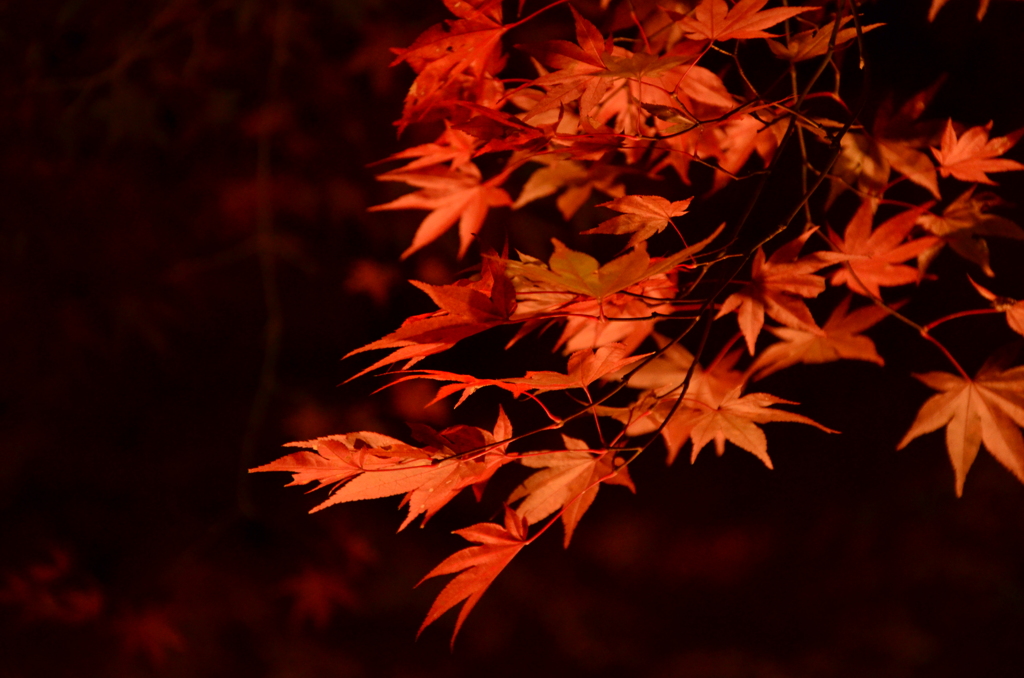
x=735 y=419
x=571 y=271
x=455 y=60
x=964 y=225
x=568 y=481
x=665 y=373
x=577 y=181
x=713 y=20
x=450 y=195
x=838 y=339
x=642 y=216
x=776 y=287
x=712 y=409
x=970 y=156
x=478 y=566
x=580 y=74
x=895 y=142
x=369 y=465
x=585 y=367
x=815 y=42
x=467 y=307
x=872 y=256
x=732 y=418
x=453 y=146
x=985 y=410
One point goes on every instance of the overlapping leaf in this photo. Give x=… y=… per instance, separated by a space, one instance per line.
x=964 y=225
x=568 y=481
x=585 y=367
x=872 y=257
x=714 y=20
x=839 y=338
x=368 y=465
x=814 y=42
x=642 y=216
x=777 y=287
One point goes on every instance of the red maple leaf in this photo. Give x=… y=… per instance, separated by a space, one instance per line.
x=450 y=195
x=585 y=367
x=712 y=409
x=713 y=20
x=576 y=182
x=964 y=225
x=873 y=256
x=370 y=466
x=642 y=216
x=456 y=60
x=970 y=156
x=815 y=42
x=467 y=307
x=478 y=566
x=776 y=287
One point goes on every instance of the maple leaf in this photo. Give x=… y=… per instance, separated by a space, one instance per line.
x=450 y=195
x=337 y=458
x=455 y=60
x=466 y=308
x=872 y=257
x=626 y=317
x=895 y=142
x=1014 y=309
x=478 y=566
x=642 y=216
x=963 y=226
x=814 y=42
x=568 y=481
x=572 y=271
x=367 y=465
x=838 y=339
x=970 y=156
x=453 y=146
x=713 y=20
x=985 y=410
x=585 y=367
x=735 y=419
x=775 y=288
x=706 y=413
x=580 y=70
x=502 y=131
x=666 y=372
x=577 y=181
x=732 y=141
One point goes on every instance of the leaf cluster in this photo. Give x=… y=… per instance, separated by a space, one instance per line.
x=646 y=99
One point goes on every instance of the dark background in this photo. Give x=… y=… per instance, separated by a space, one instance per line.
x=137 y=386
